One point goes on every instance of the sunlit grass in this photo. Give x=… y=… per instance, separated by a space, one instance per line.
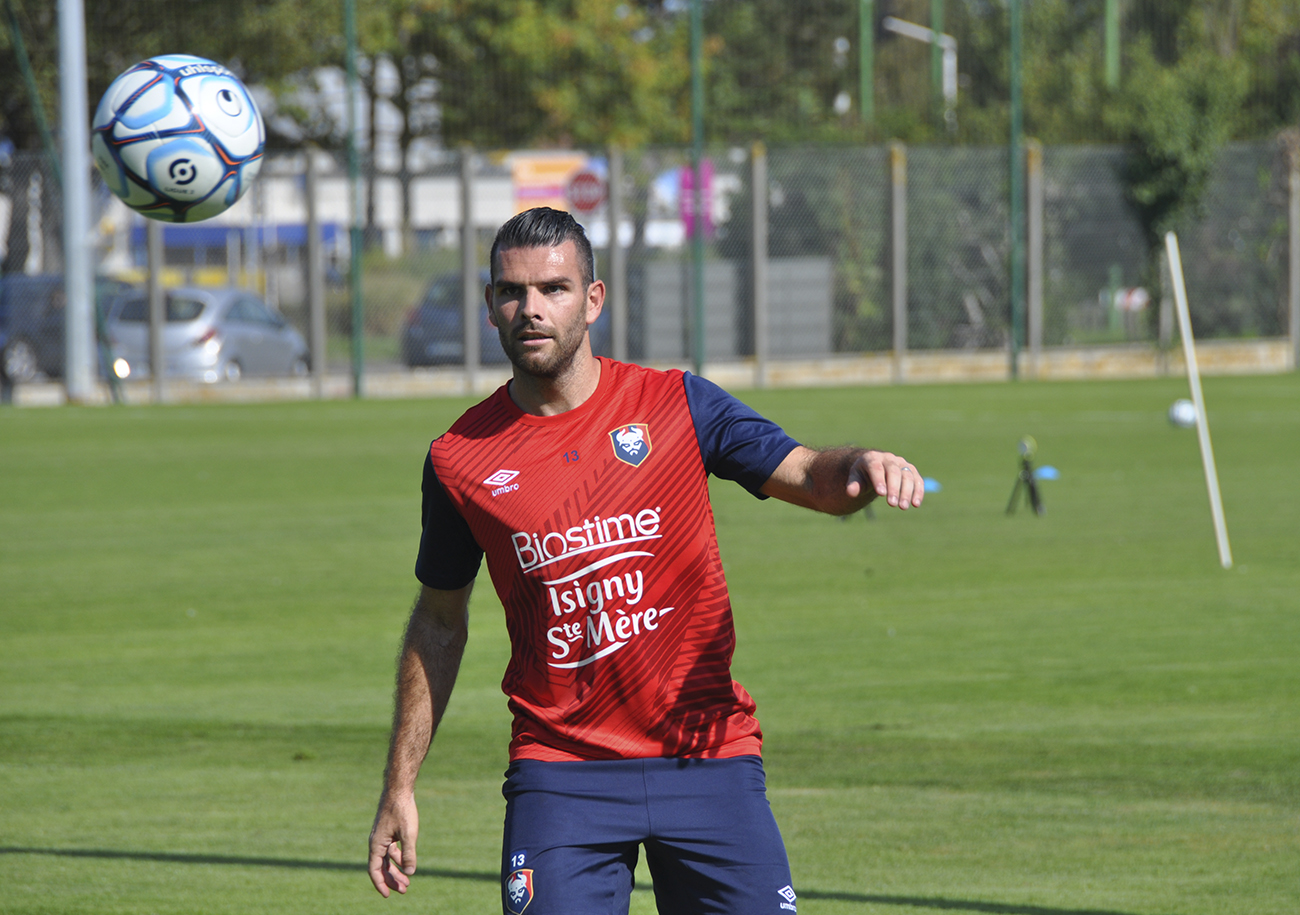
x=200 y=608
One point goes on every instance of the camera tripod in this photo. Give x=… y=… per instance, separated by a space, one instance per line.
x=1025 y=478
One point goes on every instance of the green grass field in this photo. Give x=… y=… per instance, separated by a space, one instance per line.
x=1079 y=713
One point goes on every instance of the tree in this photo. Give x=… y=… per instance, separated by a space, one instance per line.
x=570 y=73
x=1175 y=119
x=264 y=41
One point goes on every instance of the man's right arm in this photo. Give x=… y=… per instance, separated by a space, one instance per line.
x=431 y=654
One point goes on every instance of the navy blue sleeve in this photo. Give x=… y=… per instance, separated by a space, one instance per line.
x=449 y=556
x=735 y=441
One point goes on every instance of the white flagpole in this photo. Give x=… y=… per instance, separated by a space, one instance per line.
x=1194 y=380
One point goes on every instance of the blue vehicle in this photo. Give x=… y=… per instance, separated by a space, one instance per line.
x=33 y=323
x=432 y=334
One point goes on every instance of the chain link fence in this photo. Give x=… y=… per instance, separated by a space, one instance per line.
x=833 y=252
x=1093 y=250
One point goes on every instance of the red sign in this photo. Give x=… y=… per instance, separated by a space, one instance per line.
x=586 y=191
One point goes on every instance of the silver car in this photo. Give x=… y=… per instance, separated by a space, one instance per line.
x=209 y=335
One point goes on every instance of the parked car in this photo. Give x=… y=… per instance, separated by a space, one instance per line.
x=33 y=326
x=209 y=335
x=432 y=334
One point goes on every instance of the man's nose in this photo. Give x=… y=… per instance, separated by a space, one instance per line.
x=534 y=303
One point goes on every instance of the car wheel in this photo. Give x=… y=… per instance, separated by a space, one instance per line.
x=232 y=371
x=19 y=360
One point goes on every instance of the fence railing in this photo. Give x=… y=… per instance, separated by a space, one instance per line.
x=810 y=253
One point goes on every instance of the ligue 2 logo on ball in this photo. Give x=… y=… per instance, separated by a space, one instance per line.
x=182 y=171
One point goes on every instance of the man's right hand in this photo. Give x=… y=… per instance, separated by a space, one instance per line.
x=392 y=844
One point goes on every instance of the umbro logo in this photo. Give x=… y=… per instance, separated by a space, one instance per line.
x=787 y=893
x=501 y=482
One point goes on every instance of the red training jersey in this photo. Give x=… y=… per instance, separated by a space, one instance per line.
x=600 y=542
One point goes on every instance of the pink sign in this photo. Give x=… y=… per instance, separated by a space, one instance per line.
x=687 y=198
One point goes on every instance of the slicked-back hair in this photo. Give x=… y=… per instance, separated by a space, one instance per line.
x=543 y=227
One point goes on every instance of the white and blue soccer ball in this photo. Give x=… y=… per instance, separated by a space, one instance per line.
x=178 y=138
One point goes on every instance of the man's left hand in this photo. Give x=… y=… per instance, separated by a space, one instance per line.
x=889 y=476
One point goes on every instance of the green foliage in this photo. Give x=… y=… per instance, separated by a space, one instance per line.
x=580 y=72
x=264 y=41
x=591 y=72
x=1176 y=120
x=776 y=69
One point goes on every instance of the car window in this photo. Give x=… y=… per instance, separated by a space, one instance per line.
x=181 y=309
x=241 y=312
x=264 y=314
x=443 y=293
x=135 y=309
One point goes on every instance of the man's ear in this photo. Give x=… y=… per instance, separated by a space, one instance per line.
x=595 y=300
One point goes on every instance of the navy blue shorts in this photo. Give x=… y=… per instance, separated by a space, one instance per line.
x=573 y=831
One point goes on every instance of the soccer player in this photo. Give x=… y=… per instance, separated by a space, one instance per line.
x=584 y=481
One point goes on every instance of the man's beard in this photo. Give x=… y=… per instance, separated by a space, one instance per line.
x=564 y=346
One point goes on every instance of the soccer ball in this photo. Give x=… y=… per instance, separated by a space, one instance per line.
x=178 y=138
x=1183 y=414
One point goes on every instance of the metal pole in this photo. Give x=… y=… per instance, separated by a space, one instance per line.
x=1294 y=265
x=867 y=60
x=233 y=257
x=78 y=251
x=697 y=194
x=1016 y=203
x=33 y=94
x=1112 y=44
x=358 y=211
x=471 y=291
x=616 y=300
x=315 y=281
x=936 y=61
x=153 y=233
x=758 y=248
x=898 y=210
x=1034 y=221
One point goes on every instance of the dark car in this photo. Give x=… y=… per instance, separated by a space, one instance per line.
x=33 y=326
x=432 y=334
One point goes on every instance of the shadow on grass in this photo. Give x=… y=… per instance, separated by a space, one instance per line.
x=959 y=905
x=916 y=902
x=232 y=860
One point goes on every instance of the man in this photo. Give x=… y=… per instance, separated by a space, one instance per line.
x=585 y=483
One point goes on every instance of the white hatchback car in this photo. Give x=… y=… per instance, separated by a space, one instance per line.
x=209 y=335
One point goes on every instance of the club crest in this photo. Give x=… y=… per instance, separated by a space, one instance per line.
x=631 y=443
x=519 y=891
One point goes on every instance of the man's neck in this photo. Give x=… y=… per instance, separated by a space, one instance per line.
x=552 y=396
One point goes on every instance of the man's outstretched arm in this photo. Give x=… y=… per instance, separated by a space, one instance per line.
x=426 y=673
x=839 y=481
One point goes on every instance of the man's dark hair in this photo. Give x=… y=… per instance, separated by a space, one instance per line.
x=543 y=227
